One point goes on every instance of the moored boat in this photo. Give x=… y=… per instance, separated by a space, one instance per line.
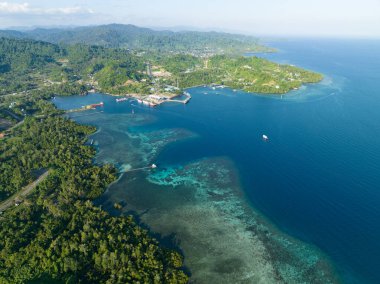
x=121 y=99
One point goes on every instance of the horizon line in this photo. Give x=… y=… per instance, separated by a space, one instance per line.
x=181 y=28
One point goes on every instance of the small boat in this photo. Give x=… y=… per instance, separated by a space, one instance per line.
x=153 y=166
x=265 y=138
x=121 y=99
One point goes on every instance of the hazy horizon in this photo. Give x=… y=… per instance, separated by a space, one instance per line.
x=291 y=18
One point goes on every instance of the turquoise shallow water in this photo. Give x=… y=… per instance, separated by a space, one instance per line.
x=247 y=211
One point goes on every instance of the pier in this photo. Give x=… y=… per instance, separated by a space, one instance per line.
x=155 y=100
x=151 y=101
x=151 y=167
x=185 y=101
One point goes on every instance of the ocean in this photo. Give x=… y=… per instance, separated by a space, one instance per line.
x=303 y=206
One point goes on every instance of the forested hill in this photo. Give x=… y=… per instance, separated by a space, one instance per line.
x=27 y=64
x=12 y=34
x=133 y=37
x=24 y=54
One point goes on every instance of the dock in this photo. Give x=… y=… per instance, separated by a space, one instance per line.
x=151 y=167
x=150 y=101
x=185 y=101
x=155 y=100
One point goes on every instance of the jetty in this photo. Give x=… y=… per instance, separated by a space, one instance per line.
x=151 y=167
x=185 y=101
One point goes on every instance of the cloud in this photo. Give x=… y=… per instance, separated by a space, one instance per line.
x=24 y=8
x=6 y=7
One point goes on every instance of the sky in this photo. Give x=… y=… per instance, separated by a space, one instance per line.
x=328 y=18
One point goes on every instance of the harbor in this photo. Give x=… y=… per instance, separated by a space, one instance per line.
x=155 y=100
x=149 y=101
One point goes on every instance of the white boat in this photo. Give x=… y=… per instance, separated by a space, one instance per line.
x=265 y=138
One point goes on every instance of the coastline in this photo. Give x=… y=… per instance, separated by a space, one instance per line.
x=211 y=86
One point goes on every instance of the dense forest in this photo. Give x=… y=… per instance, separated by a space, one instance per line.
x=129 y=36
x=29 y=64
x=24 y=63
x=57 y=233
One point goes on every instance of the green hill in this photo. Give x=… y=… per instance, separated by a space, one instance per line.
x=133 y=37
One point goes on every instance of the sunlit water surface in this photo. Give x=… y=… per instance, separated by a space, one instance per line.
x=302 y=207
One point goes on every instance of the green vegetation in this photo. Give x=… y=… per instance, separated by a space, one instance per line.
x=57 y=233
x=70 y=69
x=132 y=37
x=254 y=74
x=251 y=74
x=39 y=65
x=24 y=63
x=32 y=148
x=123 y=77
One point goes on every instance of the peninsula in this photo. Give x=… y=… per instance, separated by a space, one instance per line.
x=149 y=69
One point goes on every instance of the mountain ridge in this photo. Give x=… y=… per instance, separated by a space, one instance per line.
x=141 y=38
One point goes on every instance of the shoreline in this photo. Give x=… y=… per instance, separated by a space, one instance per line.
x=212 y=86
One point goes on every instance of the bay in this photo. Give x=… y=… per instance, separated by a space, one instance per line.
x=301 y=207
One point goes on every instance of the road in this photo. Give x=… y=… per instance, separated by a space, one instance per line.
x=23 y=192
x=18 y=118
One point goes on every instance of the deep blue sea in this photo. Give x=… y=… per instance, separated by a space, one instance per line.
x=316 y=181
